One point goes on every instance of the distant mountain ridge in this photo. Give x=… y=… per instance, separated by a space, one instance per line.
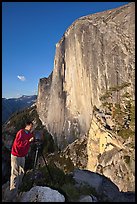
x=11 y=105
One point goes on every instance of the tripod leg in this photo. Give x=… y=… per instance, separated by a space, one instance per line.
x=47 y=166
x=35 y=163
x=36 y=159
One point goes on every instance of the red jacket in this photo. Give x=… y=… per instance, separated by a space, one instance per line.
x=21 y=143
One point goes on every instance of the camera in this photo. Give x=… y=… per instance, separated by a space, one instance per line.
x=38 y=138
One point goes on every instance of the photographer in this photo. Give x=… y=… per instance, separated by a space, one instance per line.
x=20 y=149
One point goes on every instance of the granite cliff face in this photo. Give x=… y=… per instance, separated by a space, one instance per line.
x=95 y=55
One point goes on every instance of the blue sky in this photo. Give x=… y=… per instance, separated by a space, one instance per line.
x=30 y=31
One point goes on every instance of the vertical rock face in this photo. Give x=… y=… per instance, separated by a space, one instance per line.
x=110 y=155
x=95 y=54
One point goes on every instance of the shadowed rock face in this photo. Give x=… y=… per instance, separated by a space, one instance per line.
x=95 y=54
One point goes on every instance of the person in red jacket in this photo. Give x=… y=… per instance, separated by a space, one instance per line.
x=19 y=150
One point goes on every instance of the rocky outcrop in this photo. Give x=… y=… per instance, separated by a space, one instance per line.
x=35 y=194
x=42 y=194
x=73 y=156
x=111 y=155
x=105 y=189
x=87 y=186
x=95 y=54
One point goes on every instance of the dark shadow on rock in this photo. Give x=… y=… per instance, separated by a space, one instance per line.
x=106 y=190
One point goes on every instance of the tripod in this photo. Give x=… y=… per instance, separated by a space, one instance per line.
x=38 y=147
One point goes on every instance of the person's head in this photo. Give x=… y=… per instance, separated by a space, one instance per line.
x=29 y=125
